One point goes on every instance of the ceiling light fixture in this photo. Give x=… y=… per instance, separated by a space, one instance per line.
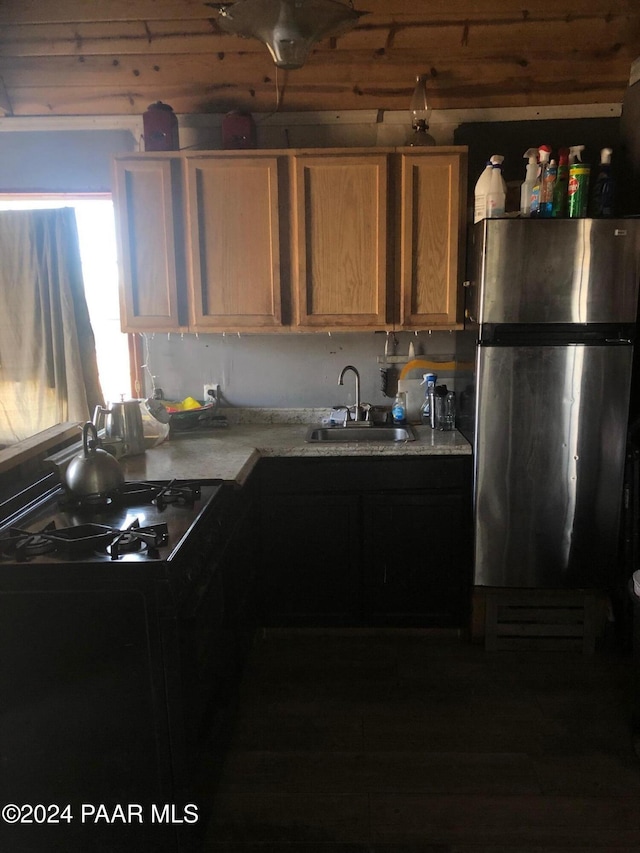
x=289 y=28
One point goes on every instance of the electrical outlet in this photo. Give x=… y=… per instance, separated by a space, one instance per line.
x=211 y=392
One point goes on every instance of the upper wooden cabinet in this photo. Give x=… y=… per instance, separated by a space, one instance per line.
x=431 y=242
x=339 y=243
x=150 y=244
x=266 y=241
x=233 y=242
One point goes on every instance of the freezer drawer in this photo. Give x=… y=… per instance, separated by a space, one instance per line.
x=549 y=464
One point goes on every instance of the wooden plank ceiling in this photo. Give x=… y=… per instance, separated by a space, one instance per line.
x=100 y=57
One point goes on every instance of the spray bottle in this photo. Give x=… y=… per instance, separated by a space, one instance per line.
x=559 y=208
x=602 y=198
x=547 y=186
x=483 y=188
x=544 y=153
x=429 y=380
x=578 y=189
x=526 y=189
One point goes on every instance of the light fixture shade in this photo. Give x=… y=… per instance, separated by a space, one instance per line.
x=289 y=28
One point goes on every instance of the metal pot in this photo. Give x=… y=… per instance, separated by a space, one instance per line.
x=122 y=426
x=94 y=472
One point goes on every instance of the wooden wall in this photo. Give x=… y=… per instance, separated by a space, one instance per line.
x=65 y=57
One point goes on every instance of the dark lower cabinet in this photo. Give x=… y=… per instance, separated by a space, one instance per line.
x=239 y=563
x=311 y=558
x=416 y=562
x=365 y=541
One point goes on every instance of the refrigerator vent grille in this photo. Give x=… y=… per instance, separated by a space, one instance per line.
x=546 y=620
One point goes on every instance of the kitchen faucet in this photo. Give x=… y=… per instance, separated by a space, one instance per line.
x=341 y=382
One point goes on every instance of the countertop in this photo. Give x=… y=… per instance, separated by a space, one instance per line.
x=230 y=453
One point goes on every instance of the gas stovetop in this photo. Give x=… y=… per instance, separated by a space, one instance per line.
x=142 y=522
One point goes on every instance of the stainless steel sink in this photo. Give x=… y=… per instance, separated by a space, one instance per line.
x=369 y=434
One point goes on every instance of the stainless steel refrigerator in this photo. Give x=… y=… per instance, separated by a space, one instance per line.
x=555 y=303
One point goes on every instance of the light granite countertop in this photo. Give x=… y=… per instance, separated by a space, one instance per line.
x=230 y=453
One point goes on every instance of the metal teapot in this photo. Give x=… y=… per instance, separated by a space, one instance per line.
x=94 y=472
x=123 y=427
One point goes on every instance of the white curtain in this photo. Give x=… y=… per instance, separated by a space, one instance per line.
x=48 y=369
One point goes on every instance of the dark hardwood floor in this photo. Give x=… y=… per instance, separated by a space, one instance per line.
x=347 y=743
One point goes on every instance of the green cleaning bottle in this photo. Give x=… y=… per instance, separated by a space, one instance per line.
x=578 y=190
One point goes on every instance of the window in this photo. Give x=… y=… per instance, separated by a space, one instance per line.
x=96 y=232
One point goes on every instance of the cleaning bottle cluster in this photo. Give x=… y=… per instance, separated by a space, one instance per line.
x=554 y=187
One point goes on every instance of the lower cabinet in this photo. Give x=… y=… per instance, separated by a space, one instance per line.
x=416 y=566
x=365 y=541
x=237 y=566
x=311 y=558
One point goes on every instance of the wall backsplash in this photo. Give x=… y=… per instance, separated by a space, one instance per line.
x=280 y=371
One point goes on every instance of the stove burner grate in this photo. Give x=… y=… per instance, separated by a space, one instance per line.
x=83 y=540
x=136 y=538
x=176 y=492
x=36 y=544
x=94 y=501
x=20 y=544
x=132 y=493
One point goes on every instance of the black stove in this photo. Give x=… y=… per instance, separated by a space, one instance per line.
x=114 y=623
x=141 y=522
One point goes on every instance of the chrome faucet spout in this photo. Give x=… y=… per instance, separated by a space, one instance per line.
x=357 y=415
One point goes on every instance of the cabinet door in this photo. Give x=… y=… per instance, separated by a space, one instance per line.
x=432 y=239
x=340 y=240
x=417 y=563
x=148 y=220
x=310 y=571
x=234 y=243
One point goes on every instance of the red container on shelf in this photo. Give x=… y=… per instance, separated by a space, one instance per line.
x=238 y=130
x=160 y=128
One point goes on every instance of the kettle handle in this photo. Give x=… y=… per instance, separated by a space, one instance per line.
x=88 y=447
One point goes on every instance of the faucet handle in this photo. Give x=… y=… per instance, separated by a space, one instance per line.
x=346 y=413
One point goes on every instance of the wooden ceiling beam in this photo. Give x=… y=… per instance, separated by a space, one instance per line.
x=354 y=68
x=61 y=11
x=199 y=37
x=206 y=97
x=117 y=56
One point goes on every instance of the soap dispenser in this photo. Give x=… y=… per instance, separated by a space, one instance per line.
x=399 y=408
